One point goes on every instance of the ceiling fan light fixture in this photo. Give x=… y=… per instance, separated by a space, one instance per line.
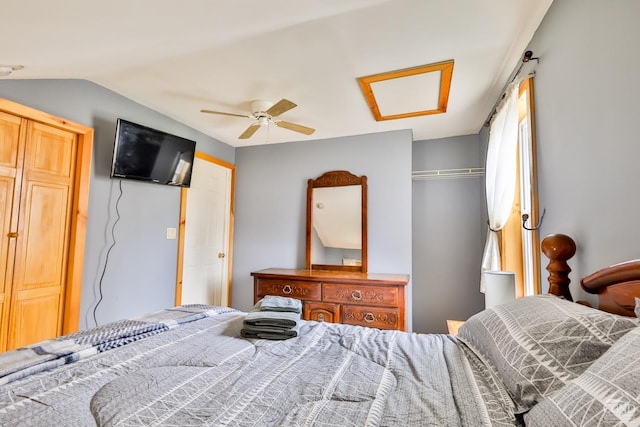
x=260 y=106
x=263 y=121
x=264 y=113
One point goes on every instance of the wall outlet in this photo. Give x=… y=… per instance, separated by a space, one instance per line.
x=171 y=233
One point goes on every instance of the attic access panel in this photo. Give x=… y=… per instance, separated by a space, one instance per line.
x=392 y=95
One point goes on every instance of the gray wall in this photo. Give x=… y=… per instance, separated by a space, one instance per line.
x=141 y=270
x=448 y=234
x=271 y=183
x=586 y=99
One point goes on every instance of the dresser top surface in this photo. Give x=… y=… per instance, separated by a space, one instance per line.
x=329 y=275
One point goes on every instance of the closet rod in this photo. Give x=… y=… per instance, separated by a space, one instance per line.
x=448 y=173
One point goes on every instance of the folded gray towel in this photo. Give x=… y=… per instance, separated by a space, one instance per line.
x=276 y=303
x=264 y=335
x=271 y=324
x=280 y=319
x=269 y=332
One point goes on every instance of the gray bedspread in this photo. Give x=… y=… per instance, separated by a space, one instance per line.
x=198 y=371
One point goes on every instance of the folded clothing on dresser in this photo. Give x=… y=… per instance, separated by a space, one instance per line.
x=262 y=322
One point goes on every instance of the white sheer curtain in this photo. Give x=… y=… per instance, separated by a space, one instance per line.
x=500 y=174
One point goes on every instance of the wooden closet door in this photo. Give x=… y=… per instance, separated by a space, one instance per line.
x=10 y=171
x=42 y=246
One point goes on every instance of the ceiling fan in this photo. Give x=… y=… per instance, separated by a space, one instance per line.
x=265 y=112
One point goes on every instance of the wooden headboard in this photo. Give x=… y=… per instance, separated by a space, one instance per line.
x=617 y=286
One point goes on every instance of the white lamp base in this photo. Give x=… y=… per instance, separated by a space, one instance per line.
x=499 y=287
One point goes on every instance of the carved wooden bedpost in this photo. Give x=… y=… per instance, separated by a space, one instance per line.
x=559 y=248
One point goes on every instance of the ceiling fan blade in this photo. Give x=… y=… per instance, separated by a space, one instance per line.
x=280 y=107
x=295 y=127
x=225 y=114
x=249 y=131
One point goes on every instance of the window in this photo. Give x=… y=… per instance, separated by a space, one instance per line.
x=520 y=242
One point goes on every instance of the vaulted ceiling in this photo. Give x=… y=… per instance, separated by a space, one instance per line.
x=181 y=57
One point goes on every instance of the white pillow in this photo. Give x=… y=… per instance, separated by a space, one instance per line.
x=638 y=308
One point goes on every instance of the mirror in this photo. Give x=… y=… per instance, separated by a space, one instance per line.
x=337 y=222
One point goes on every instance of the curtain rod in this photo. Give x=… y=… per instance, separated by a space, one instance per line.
x=528 y=56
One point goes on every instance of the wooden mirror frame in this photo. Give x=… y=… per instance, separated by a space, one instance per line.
x=337 y=178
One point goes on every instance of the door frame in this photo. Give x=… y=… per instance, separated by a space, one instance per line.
x=182 y=225
x=79 y=207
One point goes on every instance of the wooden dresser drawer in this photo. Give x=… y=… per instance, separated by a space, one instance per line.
x=361 y=294
x=321 y=312
x=373 y=317
x=288 y=288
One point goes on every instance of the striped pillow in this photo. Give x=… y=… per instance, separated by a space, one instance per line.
x=606 y=394
x=537 y=344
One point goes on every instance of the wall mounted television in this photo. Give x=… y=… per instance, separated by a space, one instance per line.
x=145 y=154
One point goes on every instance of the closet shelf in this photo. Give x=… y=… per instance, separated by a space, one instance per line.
x=448 y=173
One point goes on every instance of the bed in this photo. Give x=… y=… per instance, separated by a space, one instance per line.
x=539 y=361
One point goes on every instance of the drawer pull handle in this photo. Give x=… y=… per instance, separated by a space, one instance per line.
x=287 y=289
x=369 y=318
x=356 y=295
x=320 y=317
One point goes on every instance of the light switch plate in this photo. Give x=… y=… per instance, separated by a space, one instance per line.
x=171 y=233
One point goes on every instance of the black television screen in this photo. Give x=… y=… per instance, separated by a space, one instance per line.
x=147 y=154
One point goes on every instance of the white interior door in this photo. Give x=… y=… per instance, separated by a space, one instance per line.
x=205 y=272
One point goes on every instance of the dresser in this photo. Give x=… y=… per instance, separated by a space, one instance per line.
x=354 y=298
